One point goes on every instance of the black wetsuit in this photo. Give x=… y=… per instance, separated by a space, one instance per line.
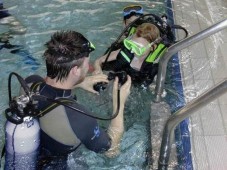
x=64 y=129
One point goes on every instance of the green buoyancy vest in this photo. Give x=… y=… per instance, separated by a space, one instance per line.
x=156 y=54
x=132 y=31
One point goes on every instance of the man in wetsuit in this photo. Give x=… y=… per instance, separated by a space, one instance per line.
x=64 y=129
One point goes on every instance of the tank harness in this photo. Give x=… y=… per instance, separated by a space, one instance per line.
x=125 y=57
x=34 y=87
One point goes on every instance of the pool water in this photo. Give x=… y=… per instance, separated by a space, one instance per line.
x=101 y=22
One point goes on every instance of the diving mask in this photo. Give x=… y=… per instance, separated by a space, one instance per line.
x=66 y=57
x=132 y=10
x=87 y=47
x=137 y=48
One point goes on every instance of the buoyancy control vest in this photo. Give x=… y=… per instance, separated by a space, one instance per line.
x=124 y=57
x=166 y=31
x=148 y=69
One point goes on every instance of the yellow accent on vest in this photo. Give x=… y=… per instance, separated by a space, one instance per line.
x=158 y=52
x=52 y=106
x=132 y=31
x=125 y=56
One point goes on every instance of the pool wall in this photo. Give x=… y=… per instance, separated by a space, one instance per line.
x=203 y=65
x=182 y=134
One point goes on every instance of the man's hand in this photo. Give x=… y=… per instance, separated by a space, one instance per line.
x=116 y=128
x=124 y=91
x=90 y=81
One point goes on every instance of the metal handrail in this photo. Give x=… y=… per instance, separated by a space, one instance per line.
x=183 y=113
x=179 y=46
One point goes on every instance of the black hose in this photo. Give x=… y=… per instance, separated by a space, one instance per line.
x=41 y=97
x=181 y=28
x=80 y=111
x=21 y=81
x=14 y=153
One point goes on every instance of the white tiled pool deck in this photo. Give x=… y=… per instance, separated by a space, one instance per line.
x=203 y=65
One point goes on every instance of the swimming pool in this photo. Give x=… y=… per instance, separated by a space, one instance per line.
x=101 y=22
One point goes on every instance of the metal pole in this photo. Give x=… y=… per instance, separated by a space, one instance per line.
x=177 y=117
x=179 y=46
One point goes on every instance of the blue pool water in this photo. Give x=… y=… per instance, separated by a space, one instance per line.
x=101 y=22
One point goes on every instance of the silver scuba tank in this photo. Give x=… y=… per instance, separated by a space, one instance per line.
x=22 y=130
x=22 y=143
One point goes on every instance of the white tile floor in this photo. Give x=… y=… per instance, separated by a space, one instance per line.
x=203 y=65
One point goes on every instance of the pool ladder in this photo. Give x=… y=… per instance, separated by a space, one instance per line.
x=190 y=108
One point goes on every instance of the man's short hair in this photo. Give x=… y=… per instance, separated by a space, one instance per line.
x=64 y=51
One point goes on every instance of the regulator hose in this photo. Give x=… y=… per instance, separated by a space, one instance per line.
x=22 y=83
x=44 y=98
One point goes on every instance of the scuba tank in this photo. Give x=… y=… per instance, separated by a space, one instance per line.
x=22 y=131
x=22 y=138
x=22 y=142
